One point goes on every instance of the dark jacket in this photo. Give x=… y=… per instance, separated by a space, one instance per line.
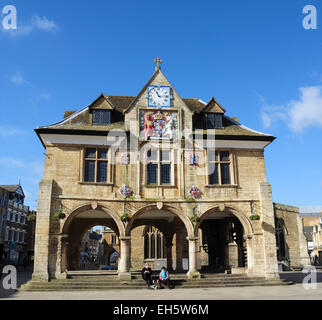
x=146 y=269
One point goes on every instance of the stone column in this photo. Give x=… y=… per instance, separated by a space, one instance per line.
x=268 y=227
x=193 y=272
x=124 y=267
x=304 y=258
x=179 y=251
x=61 y=259
x=232 y=255
x=169 y=253
x=41 y=260
x=64 y=251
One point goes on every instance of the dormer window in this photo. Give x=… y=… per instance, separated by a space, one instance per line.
x=213 y=120
x=101 y=117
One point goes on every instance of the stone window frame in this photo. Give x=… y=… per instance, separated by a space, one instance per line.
x=110 y=166
x=171 y=161
x=148 y=232
x=232 y=170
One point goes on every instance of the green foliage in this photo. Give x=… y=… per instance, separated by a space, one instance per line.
x=125 y=217
x=195 y=218
x=60 y=215
x=254 y=217
x=31 y=217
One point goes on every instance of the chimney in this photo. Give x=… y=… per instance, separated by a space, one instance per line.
x=68 y=113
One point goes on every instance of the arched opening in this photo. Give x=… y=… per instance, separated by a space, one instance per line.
x=222 y=242
x=158 y=237
x=97 y=246
x=86 y=249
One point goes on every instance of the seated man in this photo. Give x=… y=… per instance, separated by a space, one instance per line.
x=164 y=278
x=147 y=274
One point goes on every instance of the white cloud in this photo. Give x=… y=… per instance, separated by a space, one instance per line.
x=42 y=23
x=18 y=79
x=305 y=112
x=36 y=23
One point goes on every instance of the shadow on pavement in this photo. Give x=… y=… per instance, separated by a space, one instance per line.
x=298 y=276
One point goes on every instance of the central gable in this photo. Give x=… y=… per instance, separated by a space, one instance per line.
x=139 y=111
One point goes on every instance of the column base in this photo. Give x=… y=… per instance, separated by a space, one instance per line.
x=40 y=276
x=193 y=275
x=125 y=276
x=61 y=275
x=272 y=275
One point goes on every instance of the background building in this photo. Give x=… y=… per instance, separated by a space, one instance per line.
x=312 y=221
x=16 y=225
x=4 y=198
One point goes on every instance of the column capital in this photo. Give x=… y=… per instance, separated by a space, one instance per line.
x=192 y=238
x=125 y=238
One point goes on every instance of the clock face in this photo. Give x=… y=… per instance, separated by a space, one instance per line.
x=159 y=96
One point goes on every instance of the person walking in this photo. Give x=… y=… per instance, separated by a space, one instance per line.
x=164 y=278
x=147 y=274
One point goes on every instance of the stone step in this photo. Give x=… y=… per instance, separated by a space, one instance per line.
x=122 y=287
x=114 y=281
x=61 y=286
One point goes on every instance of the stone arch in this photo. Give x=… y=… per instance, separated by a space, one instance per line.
x=248 y=229
x=185 y=220
x=88 y=206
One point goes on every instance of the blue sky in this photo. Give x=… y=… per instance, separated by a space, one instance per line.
x=255 y=57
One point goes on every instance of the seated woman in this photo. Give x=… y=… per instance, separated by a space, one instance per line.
x=164 y=278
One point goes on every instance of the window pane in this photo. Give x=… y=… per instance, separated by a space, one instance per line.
x=146 y=246
x=213 y=173
x=152 y=155
x=218 y=120
x=225 y=176
x=224 y=156
x=101 y=116
x=210 y=120
x=152 y=256
x=90 y=153
x=101 y=171
x=159 y=243
x=212 y=155
x=102 y=154
x=89 y=171
x=165 y=155
x=165 y=173
x=152 y=171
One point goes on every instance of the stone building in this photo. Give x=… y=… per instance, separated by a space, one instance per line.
x=179 y=182
x=16 y=225
x=312 y=221
x=4 y=198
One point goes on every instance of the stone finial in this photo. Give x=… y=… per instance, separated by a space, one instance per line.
x=157 y=61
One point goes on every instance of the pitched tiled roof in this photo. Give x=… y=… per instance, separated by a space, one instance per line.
x=10 y=188
x=311 y=211
x=80 y=121
x=120 y=102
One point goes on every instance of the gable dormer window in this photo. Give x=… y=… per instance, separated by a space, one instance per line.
x=101 y=117
x=213 y=120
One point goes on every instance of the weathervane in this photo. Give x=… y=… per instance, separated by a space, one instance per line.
x=157 y=61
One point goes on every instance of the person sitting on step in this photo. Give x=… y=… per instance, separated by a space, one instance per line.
x=147 y=274
x=164 y=278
